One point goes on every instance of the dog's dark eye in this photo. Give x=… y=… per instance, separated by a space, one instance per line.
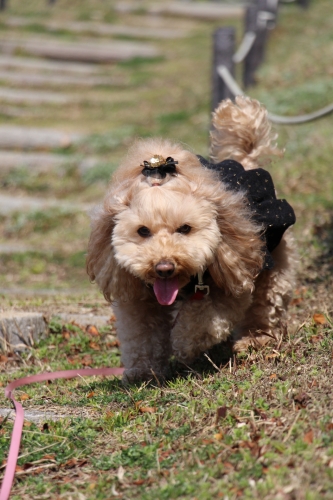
x=185 y=229
x=144 y=232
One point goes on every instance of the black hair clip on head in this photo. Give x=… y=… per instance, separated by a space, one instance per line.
x=158 y=167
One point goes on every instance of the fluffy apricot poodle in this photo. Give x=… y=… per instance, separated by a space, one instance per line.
x=191 y=252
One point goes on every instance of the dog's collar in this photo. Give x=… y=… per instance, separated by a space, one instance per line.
x=159 y=167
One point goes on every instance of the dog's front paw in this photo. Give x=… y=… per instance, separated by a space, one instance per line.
x=132 y=375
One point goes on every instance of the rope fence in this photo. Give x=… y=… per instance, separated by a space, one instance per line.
x=260 y=18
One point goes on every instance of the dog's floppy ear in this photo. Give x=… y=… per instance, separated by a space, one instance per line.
x=239 y=256
x=101 y=263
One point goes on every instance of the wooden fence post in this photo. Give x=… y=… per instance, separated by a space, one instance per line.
x=223 y=51
x=259 y=18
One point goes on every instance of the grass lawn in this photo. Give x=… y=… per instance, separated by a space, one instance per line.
x=254 y=426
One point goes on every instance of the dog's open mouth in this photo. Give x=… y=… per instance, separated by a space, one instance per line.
x=166 y=290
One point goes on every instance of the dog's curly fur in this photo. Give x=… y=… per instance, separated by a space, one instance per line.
x=244 y=301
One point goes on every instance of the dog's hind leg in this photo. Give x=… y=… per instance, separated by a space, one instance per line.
x=266 y=319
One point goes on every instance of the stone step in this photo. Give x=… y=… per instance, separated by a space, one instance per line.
x=9 y=61
x=15 y=137
x=85 y=320
x=43 y=292
x=11 y=204
x=35 y=416
x=56 y=80
x=43 y=162
x=87 y=50
x=10 y=248
x=206 y=11
x=103 y=29
x=19 y=330
x=33 y=97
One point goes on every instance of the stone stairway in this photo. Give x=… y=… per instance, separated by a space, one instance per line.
x=49 y=84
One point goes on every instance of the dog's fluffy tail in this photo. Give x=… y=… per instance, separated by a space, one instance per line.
x=242 y=132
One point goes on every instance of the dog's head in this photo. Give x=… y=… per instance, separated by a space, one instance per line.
x=164 y=235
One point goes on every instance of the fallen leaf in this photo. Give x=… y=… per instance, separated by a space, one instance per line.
x=302 y=399
x=296 y=301
x=74 y=462
x=319 y=319
x=138 y=482
x=114 y=343
x=86 y=360
x=66 y=334
x=165 y=454
x=272 y=356
x=24 y=397
x=3 y=358
x=316 y=338
x=147 y=409
x=95 y=346
x=218 y=436
x=221 y=412
x=273 y=376
x=260 y=413
x=92 y=330
x=91 y=394
x=308 y=437
x=121 y=474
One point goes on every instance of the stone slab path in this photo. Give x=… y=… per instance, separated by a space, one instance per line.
x=35 y=416
x=10 y=204
x=39 y=80
x=103 y=29
x=40 y=292
x=10 y=248
x=15 y=137
x=34 y=97
x=88 y=50
x=86 y=319
x=10 y=61
x=207 y=11
x=43 y=162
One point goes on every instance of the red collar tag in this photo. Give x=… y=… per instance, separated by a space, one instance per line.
x=198 y=295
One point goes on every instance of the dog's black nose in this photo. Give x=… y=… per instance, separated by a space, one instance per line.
x=165 y=269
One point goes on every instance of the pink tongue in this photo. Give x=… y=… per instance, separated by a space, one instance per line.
x=166 y=290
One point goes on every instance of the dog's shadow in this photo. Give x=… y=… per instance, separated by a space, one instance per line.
x=209 y=362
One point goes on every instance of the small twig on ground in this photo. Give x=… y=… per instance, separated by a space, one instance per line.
x=212 y=363
x=291 y=428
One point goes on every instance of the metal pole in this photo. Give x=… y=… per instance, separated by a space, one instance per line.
x=223 y=51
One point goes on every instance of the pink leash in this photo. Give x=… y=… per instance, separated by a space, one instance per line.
x=19 y=418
